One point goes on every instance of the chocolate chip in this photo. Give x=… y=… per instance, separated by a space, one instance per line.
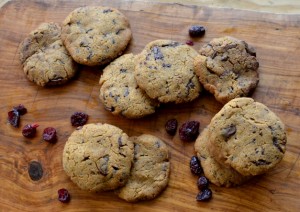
x=107 y=11
x=276 y=143
x=119 y=30
x=166 y=65
x=261 y=162
x=229 y=131
x=172 y=44
x=103 y=169
x=157 y=53
x=123 y=70
x=120 y=142
x=35 y=170
x=157 y=144
x=126 y=93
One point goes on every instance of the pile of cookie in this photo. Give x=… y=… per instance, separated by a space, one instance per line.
x=101 y=157
x=243 y=139
x=88 y=36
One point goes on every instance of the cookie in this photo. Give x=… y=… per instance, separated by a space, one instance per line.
x=247 y=136
x=44 y=58
x=95 y=35
x=165 y=71
x=98 y=157
x=150 y=172
x=214 y=171
x=227 y=68
x=119 y=92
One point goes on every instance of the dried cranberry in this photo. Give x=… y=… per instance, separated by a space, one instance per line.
x=189 y=42
x=196 y=31
x=79 y=119
x=195 y=166
x=171 y=126
x=21 y=109
x=63 y=195
x=29 y=130
x=14 y=118
x=202 y=182
x=49 y=134
x=189 y=131
x=204 y=195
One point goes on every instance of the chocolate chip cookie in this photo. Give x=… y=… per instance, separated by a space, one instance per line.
x=227 y=67
x=95 y=35
x=44 y=58
x=214 y=171
x=247 y=136
x=164 y=69
x=120 y=93
x=98 y=157
x=150 y=173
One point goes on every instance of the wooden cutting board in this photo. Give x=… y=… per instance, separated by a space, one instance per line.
x=277 y=40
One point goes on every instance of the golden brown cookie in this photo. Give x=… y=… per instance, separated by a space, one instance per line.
x=120 y=93
x=165 y=71
x=150 y=172
x=95 y=35
x=217 y=174
x=227 y=67
x=44 y=58
x=247 y=136
x=98 y=157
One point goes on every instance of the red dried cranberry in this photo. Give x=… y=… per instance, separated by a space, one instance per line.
x=189 y=131
x=171 y=126
x=204 y=195
x=14 y=118
x=202 y=182
x=49 y=134
x=195 y=166
x=21 y=109
x=79 y=119
x=196 y=31
x=189 y=42
x=29 y=130
x=63 y=195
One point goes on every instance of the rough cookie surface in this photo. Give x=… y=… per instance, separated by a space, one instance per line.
x=44 y=58
x=120 y=93
x=214 y=171
x=98 y=157
x=150 y=173
x=227 y=67
x=164 y=69
x=95 y=35
x=247 y=136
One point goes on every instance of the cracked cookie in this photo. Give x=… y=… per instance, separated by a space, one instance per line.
x=98 y=157
x=165 y=71
x=120 y=93
x=227 y=68
x=247 y=136
x=150 y=172
x=95 y=35
x=214 y=171
x=44 y=58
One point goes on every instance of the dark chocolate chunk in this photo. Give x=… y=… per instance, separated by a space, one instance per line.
x=229 y=131
x=157 y=53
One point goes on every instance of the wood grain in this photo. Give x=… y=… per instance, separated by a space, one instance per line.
x=277 y=40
